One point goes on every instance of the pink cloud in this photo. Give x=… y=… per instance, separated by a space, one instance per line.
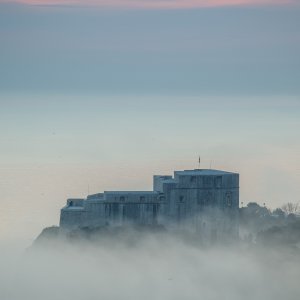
x=156 y=4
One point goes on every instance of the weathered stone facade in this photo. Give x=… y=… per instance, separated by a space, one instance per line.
x=201 y=200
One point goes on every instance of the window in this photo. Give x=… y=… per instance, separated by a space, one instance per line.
x=181 y=198
x=122 y=198
x=193 y=178
x=218 y=181
x=228 y=199
x=207 y=181
x=161 y=198
x=142 y=198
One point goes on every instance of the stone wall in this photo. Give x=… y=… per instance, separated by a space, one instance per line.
x=204 y=201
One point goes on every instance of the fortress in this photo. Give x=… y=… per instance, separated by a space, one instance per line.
x=204 y=201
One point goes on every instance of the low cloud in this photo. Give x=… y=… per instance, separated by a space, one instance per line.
x=151 y=267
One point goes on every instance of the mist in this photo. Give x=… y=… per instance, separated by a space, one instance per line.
x=148 y=266
x=95 y=99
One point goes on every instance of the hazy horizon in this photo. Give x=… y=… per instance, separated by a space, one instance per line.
x=58 y=147
x=101 y=95
x=105 y=94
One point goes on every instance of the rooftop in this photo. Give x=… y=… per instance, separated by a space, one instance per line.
x=130 y=192
x=98 y=195
x=199 y=172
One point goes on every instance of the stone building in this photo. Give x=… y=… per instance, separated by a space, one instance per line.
x=203 y=200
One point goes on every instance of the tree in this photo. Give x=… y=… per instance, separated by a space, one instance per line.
x=254 y=217
x=253 y=209
x=291 y=208
x=279 y=212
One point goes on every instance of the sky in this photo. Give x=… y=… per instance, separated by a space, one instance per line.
x=101 y=95
x=223 y=50
x=156 y=4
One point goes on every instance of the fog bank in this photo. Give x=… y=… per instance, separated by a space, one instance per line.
x=155 y=266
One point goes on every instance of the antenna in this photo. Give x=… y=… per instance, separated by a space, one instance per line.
x=210 y=164
x=199 y=161
x=88 y=189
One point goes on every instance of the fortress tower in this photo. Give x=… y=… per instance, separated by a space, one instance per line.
x=203 y=200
